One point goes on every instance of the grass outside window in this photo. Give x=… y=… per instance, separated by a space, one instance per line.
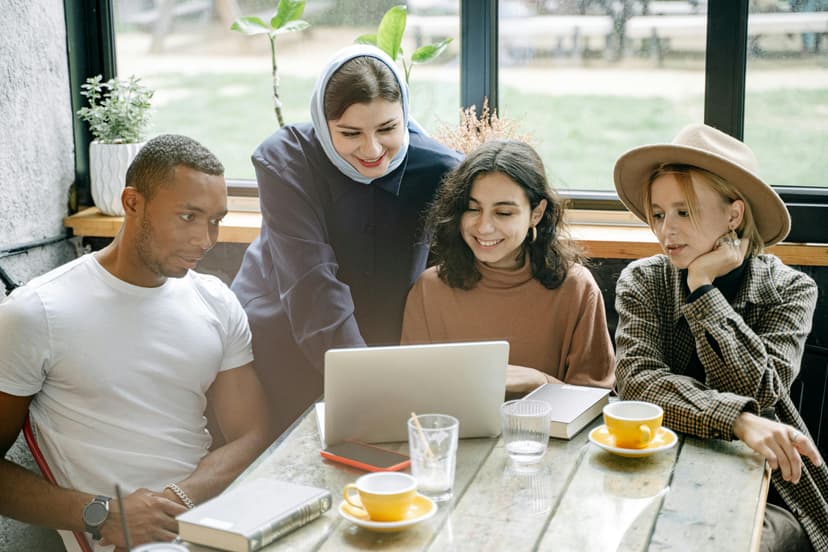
x=578 y=136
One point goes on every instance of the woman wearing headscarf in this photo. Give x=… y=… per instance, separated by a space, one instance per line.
x=341 y=239
x=714 y=329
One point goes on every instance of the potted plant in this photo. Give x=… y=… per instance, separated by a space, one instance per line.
x=117 y=114
x=284 y=20
x=388 y=38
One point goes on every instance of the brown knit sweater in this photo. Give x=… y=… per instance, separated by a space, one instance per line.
x=561 y=332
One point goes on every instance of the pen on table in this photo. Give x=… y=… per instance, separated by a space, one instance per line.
x=122 y=513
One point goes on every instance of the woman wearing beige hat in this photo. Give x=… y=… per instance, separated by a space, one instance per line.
x=714 y=329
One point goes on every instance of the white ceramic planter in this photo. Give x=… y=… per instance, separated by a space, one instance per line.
x=108 y=165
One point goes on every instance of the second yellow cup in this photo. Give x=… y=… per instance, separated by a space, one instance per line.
x=633 y=424
x=384 y=496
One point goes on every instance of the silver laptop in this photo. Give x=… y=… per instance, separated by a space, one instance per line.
x=370 y=392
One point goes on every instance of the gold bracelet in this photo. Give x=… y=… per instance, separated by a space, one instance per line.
x=179 y=492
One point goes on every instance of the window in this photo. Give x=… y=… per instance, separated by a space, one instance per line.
x=786 y=103
x=589 y=80
x=584 y=98
x=215 y=84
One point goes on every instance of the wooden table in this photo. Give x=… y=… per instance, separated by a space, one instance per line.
x=700 y=495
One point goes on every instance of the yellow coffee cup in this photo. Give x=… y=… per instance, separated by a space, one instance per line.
x=383 y=496
x=633 y=424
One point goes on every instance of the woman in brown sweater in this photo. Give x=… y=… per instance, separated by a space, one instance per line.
x=507 y=270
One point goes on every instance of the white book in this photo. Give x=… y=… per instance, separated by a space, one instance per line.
x=252 y=515
x=573 y=406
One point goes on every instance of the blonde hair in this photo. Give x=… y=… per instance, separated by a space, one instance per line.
x=685 y=175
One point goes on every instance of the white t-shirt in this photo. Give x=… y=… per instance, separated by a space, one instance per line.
x=119 y=372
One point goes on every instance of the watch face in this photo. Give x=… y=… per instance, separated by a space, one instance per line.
x=95 y=513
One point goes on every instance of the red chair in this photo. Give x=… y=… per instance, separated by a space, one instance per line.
x=47 y=473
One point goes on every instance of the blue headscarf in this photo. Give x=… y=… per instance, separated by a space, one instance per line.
x=320 y=122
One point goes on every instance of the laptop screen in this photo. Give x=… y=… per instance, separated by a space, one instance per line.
x=370 y=392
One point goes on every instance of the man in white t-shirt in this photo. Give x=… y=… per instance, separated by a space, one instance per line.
x=116 y=357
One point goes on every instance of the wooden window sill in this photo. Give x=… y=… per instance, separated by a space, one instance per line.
x=601 y=241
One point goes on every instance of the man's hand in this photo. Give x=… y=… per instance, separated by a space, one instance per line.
x=150 y=517
x=726 y=255
x=782 y=445
x=522 y=379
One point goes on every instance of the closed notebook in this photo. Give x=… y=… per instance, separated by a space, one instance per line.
x=253 y=515
x=573 y=406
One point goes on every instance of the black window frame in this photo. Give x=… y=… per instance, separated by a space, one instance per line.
x=90 y=46
x=91 y=51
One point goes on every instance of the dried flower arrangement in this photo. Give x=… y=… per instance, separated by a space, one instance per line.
x=473 y=131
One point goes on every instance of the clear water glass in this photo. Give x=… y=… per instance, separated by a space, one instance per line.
x=525 y=429
x=432 y=444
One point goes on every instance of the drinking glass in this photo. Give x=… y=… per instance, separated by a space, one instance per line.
x=525 y=429
x=432 y=444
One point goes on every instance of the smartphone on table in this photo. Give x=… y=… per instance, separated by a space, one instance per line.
x=366 y=457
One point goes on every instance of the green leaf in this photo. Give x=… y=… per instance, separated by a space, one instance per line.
x=390 y=31
x=288 y=10
x=290 y=27
x=250 y=25
x=366 y=39
x=428 y=52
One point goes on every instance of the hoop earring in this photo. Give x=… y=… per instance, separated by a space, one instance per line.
x=534 y=234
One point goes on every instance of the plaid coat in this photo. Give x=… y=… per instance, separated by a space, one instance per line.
x=750 y=350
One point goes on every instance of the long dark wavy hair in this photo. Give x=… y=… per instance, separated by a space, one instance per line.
x=551 y=254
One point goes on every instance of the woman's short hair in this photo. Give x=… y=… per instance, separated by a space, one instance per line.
x=551 y=255
x=359 y=80
x=685 y=175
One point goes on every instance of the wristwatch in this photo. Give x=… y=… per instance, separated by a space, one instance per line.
x=95 y=514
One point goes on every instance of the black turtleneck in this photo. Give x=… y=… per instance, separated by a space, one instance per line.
x=728 y=285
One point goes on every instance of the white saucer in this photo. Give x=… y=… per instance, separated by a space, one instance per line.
x=422 y=509
x=664 y=439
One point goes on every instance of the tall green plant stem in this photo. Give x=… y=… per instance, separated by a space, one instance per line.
x=285 y=20
x=406 y=69
x=277 y=101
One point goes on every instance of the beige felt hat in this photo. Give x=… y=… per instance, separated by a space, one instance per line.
x=710 y=149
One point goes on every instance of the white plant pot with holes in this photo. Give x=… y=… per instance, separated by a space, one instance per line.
x=108 y=164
